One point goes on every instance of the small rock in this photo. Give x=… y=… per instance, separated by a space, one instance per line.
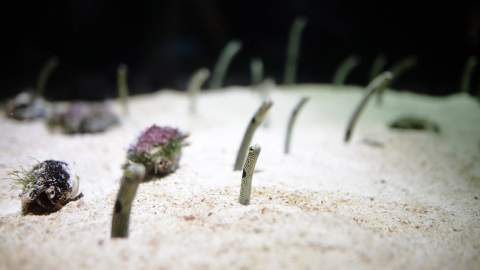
x=414 y=123
x=82 y=117
x=189 y=218
x=373 y=143
x=26 y=106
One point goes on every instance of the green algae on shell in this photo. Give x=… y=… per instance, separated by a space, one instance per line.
x=159 y=149
x=47 y=187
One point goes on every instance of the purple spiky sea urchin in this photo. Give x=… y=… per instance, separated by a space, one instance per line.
x=159 y=149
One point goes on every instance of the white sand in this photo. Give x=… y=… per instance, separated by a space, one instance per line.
x=408 y=205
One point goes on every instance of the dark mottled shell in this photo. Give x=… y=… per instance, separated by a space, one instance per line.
x=53 y=186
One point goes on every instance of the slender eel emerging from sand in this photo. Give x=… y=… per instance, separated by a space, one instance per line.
x=247 y=174
x=291 y=122
x=256 y=69
x=265 y=87
x=133 y=175
x=403 y=66
x=293 y=50
x=30 y=105
x=45 y=73
x=378 y=66
x=381 y=81
x=256 y=121
x=218 y=76
x=467 y=74
x=122 y=86
x=195 y=85
x=397 y=70
x=344 y=69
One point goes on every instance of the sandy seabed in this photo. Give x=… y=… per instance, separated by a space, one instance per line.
x=411 y=203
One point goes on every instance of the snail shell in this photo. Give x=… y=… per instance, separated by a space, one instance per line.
x=53 y=186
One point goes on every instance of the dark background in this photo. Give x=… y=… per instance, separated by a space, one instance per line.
x=164 y=42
